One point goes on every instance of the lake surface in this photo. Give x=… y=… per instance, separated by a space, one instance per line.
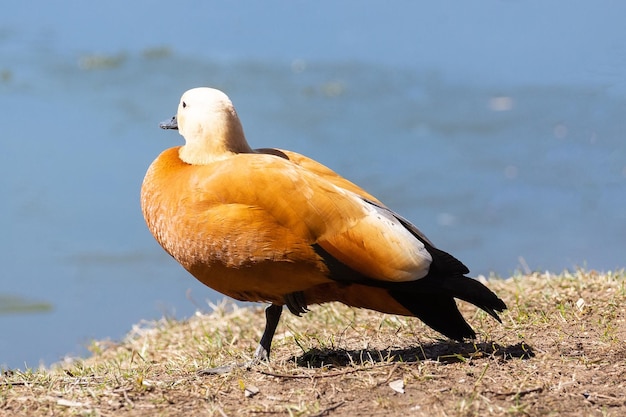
x=497 y=128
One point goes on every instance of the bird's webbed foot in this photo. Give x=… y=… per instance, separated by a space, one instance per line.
x=296 y=303
x=262 y=352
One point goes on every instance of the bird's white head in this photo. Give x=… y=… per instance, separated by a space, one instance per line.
x=207 y=119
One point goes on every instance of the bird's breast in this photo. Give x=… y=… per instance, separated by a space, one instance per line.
x=232 y=246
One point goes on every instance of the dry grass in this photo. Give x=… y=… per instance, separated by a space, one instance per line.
x=560 y=351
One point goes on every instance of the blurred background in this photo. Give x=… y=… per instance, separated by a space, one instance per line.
x=496 y=127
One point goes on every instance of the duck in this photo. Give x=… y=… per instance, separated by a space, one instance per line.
x=273 y=226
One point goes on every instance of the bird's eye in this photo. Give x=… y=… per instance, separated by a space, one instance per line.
x=184 y=104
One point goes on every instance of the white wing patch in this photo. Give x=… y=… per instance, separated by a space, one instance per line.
x=408 y=254
x=373 y=241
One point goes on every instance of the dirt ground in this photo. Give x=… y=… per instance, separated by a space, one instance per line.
x=561 y=350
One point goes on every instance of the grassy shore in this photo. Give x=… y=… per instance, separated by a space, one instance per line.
x=561 y=350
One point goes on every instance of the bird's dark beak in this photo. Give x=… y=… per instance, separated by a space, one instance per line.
x=169 y=124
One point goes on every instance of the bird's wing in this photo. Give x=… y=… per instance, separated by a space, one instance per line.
x=364 y=236
x=323 y=171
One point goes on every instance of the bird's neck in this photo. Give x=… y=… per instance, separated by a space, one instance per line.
x=204 y=147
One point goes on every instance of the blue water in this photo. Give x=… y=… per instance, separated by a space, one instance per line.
x=497 y=128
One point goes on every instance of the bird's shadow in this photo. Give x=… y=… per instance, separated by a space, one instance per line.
x=441 y=351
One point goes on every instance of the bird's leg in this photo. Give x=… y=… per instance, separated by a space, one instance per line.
x=272 y=316
x=296 y=303
x=262 y=352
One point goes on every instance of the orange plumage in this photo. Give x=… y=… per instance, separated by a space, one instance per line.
x=274 y=226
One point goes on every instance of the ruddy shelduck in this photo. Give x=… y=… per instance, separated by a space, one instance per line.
x=271 y=225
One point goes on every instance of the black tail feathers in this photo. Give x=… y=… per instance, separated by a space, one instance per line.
x=431 y=299
x=473 y=291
